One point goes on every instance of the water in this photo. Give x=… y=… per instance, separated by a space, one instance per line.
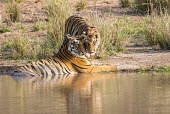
x=86 y=94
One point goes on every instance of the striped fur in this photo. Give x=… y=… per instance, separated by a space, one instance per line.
x=76 y=25
x=69 y=60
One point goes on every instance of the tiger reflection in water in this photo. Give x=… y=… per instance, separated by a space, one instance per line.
x=78 y=93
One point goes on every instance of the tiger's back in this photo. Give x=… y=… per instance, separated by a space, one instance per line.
x=76 y=25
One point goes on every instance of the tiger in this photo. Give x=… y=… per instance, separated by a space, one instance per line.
x=71 y=59
x=76 y=25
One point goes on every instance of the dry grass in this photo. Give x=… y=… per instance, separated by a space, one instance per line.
x=156 y=31
x=81 y=5
x=13 y=11
x=58 y=11
x=149 y=6
x=115 y=32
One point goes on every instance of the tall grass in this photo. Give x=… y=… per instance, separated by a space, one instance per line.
x=156 y=31
x=58 y=11
x=125 y=3
x=149 y=6
x=23 y=47
x=20 y=45
x=13 y=11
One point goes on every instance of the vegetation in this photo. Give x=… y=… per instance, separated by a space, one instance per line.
x=81 y=5
x=149 y=6
x=37 y=26
x=156 y=31
x=3 y=30
x=58 y=11
x=13 y=11
x=155 y=68
x=19 y=1
x=20 y=45
x=125 y=3
x=21 y=26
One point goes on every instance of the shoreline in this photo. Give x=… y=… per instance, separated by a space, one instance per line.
x=134 y=59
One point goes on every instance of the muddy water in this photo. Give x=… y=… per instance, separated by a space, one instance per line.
x=86 y=94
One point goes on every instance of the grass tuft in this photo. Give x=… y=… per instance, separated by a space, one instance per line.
x=20 y=45
x=3 y=30
x=81 y=5
x=125 y=3
x=21 y=26
x=37 y=26
x=13 y=11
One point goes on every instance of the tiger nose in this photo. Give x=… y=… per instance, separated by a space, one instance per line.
x=90 y=36
x=91 y=52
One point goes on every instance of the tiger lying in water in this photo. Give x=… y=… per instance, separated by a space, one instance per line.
x=69 y=60
x=79 y=45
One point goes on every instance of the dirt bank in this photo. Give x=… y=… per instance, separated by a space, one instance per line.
x=139 y=57
x=133 y=58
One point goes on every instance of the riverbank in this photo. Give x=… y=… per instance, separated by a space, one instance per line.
x=134 y=59
x=139 y=58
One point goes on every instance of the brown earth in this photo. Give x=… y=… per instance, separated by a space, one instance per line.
x=139 y=57
x=134 y=56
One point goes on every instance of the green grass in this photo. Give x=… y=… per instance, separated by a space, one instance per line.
x=23 y=47
x=20 y=45
x=38 y=26
x=3 y=30
x=19 y=1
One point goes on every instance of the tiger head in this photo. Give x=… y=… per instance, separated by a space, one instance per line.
x=92 y=41
x=82 y=45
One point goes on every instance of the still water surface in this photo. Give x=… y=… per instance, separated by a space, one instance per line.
x=86 y=94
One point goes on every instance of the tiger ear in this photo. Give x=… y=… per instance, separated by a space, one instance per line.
x=68 y=36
